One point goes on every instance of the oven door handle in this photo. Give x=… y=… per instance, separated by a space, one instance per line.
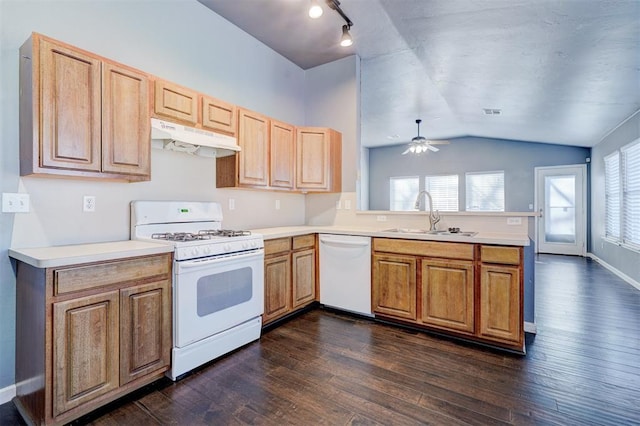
x=225 y=258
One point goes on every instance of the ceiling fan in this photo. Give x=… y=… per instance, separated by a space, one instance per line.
x=421 y=145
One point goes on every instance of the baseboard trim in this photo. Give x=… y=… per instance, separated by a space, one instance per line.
x=616 y=271
x=7 y=394
x=530 y=327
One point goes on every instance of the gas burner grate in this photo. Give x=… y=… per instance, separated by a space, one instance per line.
x=179 y=236
x=223 y=233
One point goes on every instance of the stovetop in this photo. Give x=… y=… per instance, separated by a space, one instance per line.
x=206 y=234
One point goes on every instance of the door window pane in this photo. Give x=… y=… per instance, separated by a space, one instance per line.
x=485 y=191
x=403 y=193
x=444 y=191
x=560 y=204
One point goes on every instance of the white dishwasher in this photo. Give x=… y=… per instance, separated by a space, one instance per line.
x=345 y=272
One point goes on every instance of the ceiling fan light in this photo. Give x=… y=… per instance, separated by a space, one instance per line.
x=346 y=39
x=315 y=11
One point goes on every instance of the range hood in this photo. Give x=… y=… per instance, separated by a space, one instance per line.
x=177 y=137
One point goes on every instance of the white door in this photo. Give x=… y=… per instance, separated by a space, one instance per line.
x=561 y=201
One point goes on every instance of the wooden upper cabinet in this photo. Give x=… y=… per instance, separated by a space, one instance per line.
x=175 y=102
x=253 y=138
x=81 y=115
x=282 y=155
x=70 y=112
x=126 y=128
x=219 y=116
x=318 y=160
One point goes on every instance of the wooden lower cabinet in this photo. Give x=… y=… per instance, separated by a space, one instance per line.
x=394 y=285
x=448 y=294
x=466 y=290
x=88 y=334
x=277 y=287
x=290 y=280
x=500 y=302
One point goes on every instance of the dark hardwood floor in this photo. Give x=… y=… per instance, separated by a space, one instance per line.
x=582 y=368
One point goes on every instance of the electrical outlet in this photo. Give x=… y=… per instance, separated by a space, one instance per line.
x=232 y=204
x=277 y=204
x=15 y=203
x=514 y=221
x=338 y=205
x=89 y=203
x=381 y=218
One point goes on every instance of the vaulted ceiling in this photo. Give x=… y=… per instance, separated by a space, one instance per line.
x=559 y=71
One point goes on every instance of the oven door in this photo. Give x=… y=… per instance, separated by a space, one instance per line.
x=212 y=295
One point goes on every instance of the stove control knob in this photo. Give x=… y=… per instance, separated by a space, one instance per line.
x=207 y=250
x=245 y=245
x=227 y=247
x=194 y=251
x=254 y=244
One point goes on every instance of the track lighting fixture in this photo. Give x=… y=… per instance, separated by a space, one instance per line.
x=346 y=40
x=315 y=11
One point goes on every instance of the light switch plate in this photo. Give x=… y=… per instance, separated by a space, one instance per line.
x=15 y=202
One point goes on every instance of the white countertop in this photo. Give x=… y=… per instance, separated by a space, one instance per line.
x=480 y=238
x=46 y=257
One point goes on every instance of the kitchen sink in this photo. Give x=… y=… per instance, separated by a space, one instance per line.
x=427 y=232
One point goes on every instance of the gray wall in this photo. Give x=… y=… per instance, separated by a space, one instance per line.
x=470 y=154
x=625 y=260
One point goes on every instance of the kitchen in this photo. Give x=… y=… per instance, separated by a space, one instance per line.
x=287 y=93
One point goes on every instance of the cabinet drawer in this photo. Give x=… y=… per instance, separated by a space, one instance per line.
x=503 y=255
x=304 y=241
x=278 y=245
x=462 y=251
x=67 y=280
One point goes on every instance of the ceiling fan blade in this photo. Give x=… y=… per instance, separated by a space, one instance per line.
x=406 y=151
x=432 y=148
x=437 y=142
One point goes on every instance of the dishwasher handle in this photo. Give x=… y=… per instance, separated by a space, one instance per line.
x=344 y=243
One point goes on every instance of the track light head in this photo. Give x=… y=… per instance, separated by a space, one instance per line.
x=346 y=40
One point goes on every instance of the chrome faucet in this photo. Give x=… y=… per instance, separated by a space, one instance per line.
x=434 y=218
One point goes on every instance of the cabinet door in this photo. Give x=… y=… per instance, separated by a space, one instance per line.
x=85 y=349
x=70 y=116
x=219 y=115
x=175 y=102
x=312 y=159
x=145 y=329
x=277 y=287
x=447 y=294
x=282 y=155
x=253 y=138
x=394 y=286
x=500 y=303
x=304 y=277
x=126 y=127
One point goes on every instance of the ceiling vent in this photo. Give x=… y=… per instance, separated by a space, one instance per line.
x=492 y=111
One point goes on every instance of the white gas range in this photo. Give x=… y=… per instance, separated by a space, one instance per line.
x=218 y=278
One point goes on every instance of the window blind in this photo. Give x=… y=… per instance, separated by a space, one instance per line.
x=485 y=191
x=444 y=191
x=612 y=195
x=403 y=192
x=631 y=194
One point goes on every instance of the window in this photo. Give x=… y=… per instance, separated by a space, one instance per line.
x=444 y=191
x=631 y=194
x=403 y=192
x=485 y=191
x=622 y=195
x=612 y=195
